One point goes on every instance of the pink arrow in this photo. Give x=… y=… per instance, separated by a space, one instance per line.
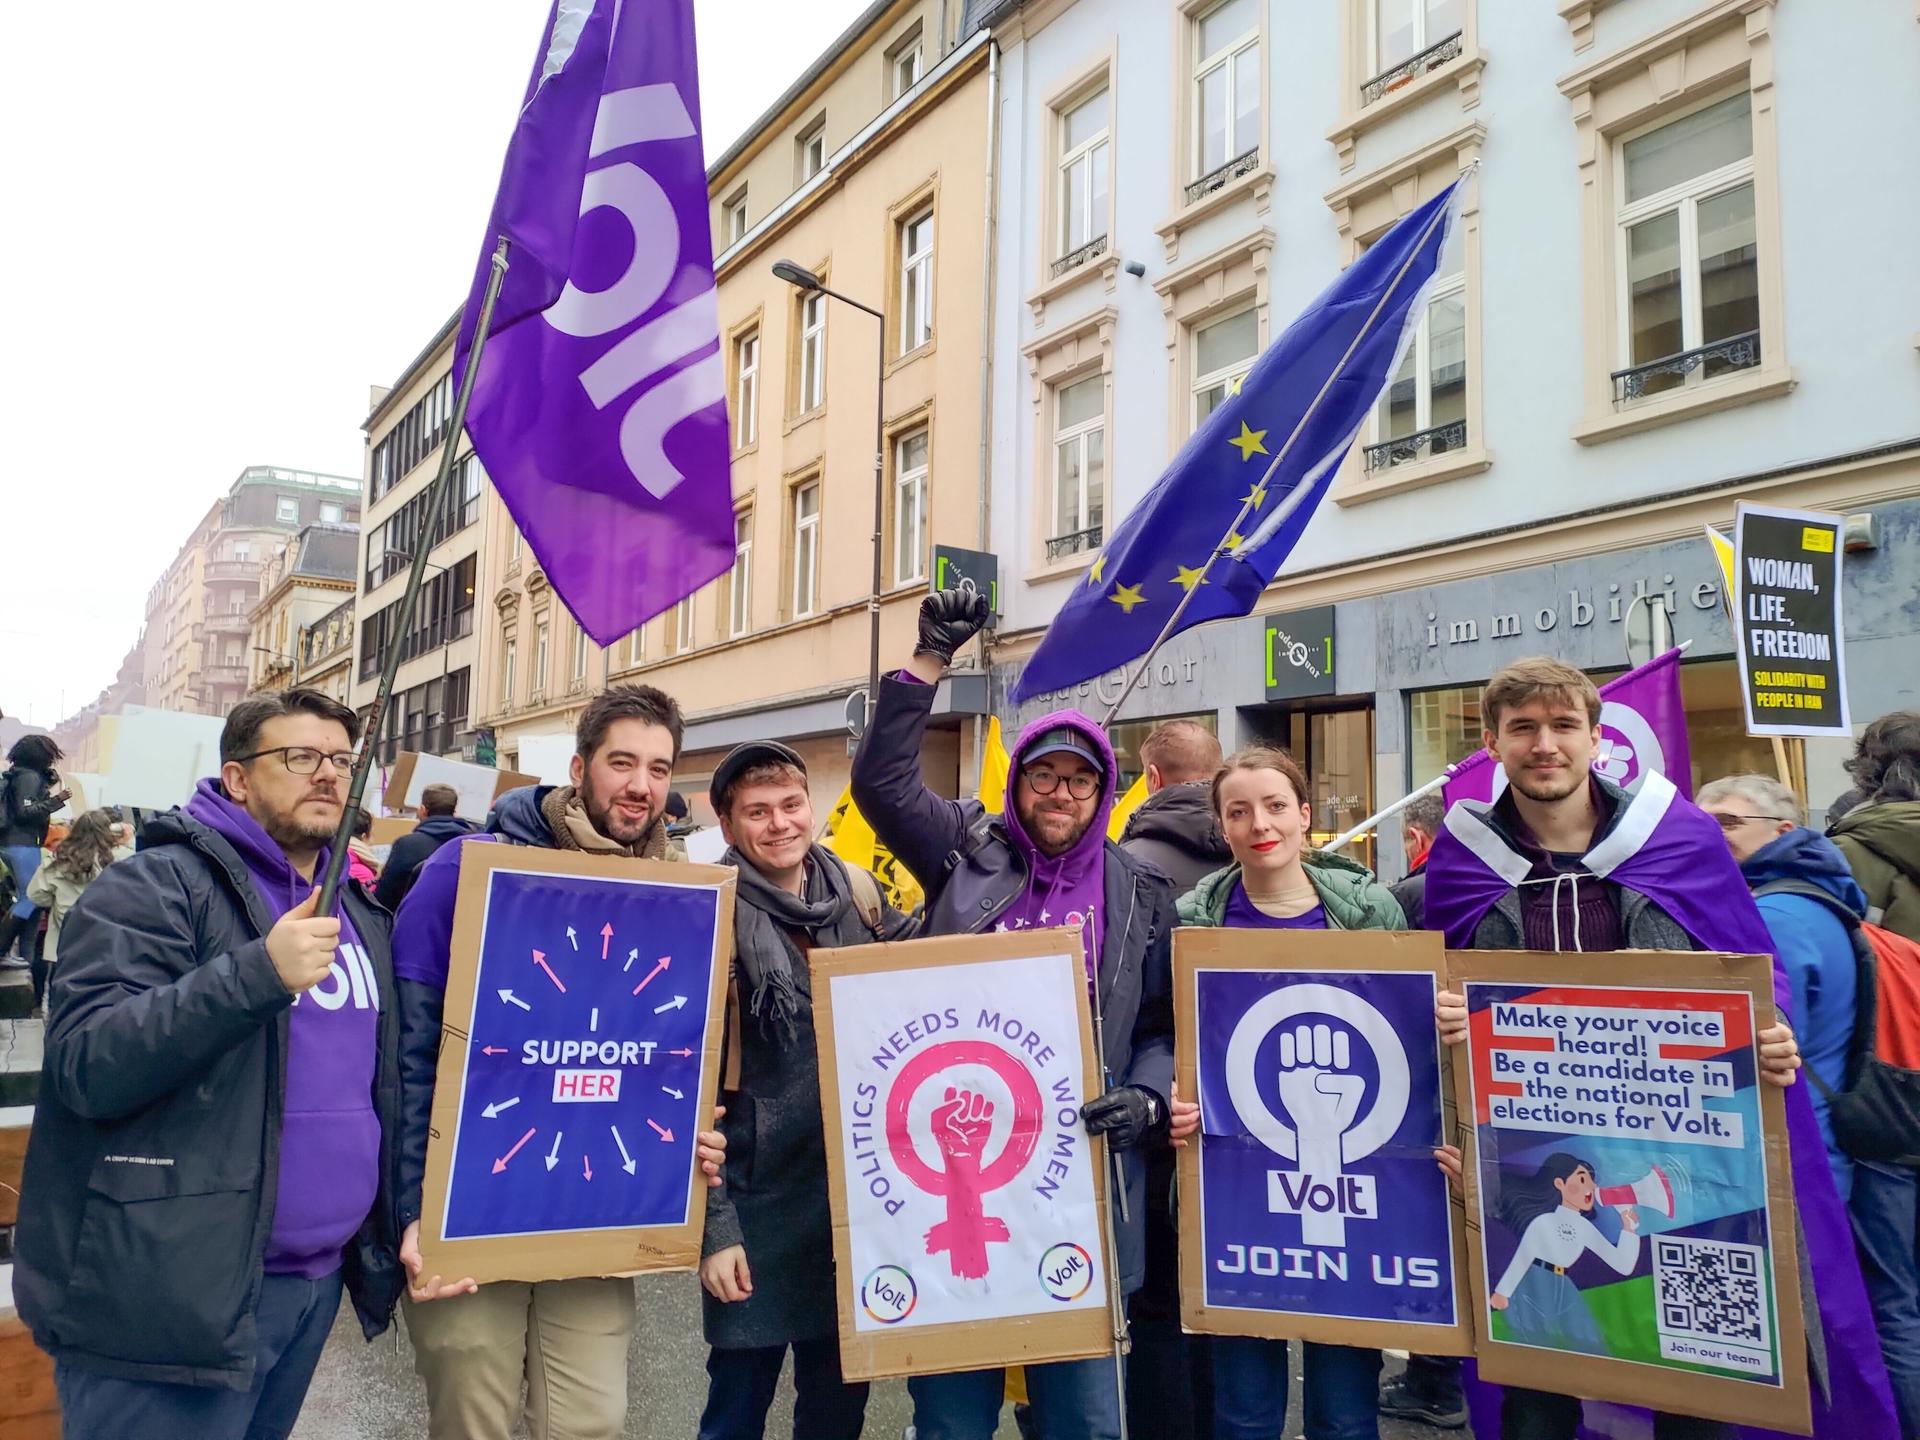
x=587 y=1166
x=683 y=1054
x=493 y=1049
x=665 y=961
x=606 y=938
x=663 y=1134
x=501 y=1164
x=540 y=959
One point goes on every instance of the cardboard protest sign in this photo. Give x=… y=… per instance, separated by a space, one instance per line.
x=477 y=786
x=1311 y=1203
x=1629 y=1201
x=968 y=1219
x=580 y=1057
x=1786 y=607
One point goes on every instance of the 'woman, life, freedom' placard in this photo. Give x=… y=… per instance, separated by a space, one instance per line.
x=968 y=1198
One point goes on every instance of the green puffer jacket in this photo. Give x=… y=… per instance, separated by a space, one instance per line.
x=1354 y=900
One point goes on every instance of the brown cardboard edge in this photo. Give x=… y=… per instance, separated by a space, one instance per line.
x=1196 y=948
x=637 y=1250
x=1787 y=1406
x=961 y=1345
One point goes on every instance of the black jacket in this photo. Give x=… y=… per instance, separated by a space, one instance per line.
x=1175 y=832
x=411 y=851
x=1412 y=895
x=152 y=1170
x=972 y=872
x=26 y=806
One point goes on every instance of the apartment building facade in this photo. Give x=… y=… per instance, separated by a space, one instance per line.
x=307 y=580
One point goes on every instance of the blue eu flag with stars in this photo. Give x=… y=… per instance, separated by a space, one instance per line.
x=1230 y=508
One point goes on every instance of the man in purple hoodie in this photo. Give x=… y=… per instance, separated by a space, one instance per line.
x=1045 y=861
x=213 y=1150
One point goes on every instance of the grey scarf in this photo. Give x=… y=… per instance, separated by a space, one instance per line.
x=768 y=961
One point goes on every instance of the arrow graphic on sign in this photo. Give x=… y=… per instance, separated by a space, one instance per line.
x=674 y=1004
x=493 y=1049
x=501 y=1164
x=500 y=1105
x=606 y=938
x=683 y=1054
x=665 y=961
x=632 y=955
x=553 y=1155
x=586 y=1167
x=572 y=938
x=663 y=1134
x=513 y=999
x=626 y=1159
x=676 y=1094
x=540 y=959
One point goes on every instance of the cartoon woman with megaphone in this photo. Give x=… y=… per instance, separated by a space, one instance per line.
x=1551 y=1212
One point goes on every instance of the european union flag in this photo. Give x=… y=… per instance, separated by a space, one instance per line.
x=1230 y=508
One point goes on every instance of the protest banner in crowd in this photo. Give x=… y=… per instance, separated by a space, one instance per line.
x=1630 y=1209
x=581 y=1056
x=1793 y=674
x=1314 y=1208
x=968 y=1219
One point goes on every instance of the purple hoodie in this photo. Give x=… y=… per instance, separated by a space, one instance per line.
x=329 y=1132
x=1064 y=889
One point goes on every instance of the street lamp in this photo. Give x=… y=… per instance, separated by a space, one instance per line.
x=807 y=282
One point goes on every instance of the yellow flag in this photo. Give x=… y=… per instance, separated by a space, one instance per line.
x=851 y=838
x=1723 y=552
x=995 y=767
x=1124 y=807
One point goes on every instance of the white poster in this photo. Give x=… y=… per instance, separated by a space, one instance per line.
x=968 y=1175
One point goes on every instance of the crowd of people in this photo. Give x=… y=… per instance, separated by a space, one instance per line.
x=214 y=1163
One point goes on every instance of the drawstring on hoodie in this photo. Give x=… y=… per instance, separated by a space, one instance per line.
x=1575 y=877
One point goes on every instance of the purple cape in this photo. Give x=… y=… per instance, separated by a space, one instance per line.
x=1667 y=849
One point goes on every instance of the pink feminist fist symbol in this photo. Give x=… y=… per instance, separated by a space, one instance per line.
x=962 y=1123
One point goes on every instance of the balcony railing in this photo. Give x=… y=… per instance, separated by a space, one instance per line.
x=232 y=569
x=228 y=624
x=1074 y=259
x=1431 y=58
x=1217 y=179
x=223 y=674
x=1061 y=546
x=1435 y=440
x=1736 y=352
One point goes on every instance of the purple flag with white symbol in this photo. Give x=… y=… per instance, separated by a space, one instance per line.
x=599 y=409
x=1643 y=731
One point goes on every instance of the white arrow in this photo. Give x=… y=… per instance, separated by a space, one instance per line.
x=632 y=955
x=513 y=999
x=674 y=1004
x=553 y=1155
x=628 y=1166
x=499 y=1105
x=676 y=1094
x=573 y=938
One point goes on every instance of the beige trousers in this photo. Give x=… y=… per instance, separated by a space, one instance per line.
x=567 y=1339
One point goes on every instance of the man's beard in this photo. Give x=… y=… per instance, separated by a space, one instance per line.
x=1546 y=785
x=289 y=831
x=602 y=817
x=1074 y=836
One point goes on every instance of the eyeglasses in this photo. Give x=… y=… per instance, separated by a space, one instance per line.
x=300 y=760
x=1734 y=822
x=1045 y=782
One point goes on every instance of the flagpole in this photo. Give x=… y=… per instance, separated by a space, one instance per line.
x=416 y=576
x=1117 y=1177
x=1298 y=495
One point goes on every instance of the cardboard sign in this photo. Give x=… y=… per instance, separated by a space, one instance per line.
x=1786 y=599
x=580 y=1056
x=1312 y=1204
x=478 y=786
x=968 y=1219
x=1629 y=1199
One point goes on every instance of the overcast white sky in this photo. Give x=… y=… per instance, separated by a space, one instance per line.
x=224 y=223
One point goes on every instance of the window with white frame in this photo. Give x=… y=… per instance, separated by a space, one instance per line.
x=1423 y=411
x=1398 y=30
x=579 y=655
x=813 y=351
x=810 y=150
x=916 y=281
x=1690 y=305
x=733 y=217
x=1084 y=153
x=746 y=390
x=905 y=63
x=1223 y=353
x=331 y=512
x=286 y=510
x=683 y=626
x=514 y=541
x=806 y=547
x=1079 y=467
x=910 y=507
x=509 y=652
x=540 y=634
x=740 y=580
x=637 y=646
x=1226 y=84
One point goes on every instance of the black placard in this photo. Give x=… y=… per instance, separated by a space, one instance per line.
x=1787 y=609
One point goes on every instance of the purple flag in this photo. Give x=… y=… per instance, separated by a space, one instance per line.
x=1643 y=730
x=599 y=409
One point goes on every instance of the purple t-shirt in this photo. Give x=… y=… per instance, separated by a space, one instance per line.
x=1243 y=914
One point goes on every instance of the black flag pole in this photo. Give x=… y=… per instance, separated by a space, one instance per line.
x=390 y=666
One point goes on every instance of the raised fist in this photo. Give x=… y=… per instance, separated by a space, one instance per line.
x=961 y=1124
x=948 y=619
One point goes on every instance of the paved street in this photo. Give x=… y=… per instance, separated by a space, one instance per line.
x=369 y=1392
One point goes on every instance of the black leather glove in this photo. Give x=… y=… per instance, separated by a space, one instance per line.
x=1126 y=1115
x=948 y=619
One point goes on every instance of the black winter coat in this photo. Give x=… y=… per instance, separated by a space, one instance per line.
x=152 y=1170
x=26 y=808
x=411 y=851
x=1175 y=832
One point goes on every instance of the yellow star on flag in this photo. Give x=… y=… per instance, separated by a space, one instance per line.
x=1249 y=442
x=1099 y=564
x=1255 y=497
x=1233 y=385
x=1233 y=541
x=1190 y=576
x=1127 y=596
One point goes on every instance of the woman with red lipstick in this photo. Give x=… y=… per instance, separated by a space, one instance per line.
x=1277 y=882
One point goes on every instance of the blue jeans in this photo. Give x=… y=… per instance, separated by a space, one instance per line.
x=23 y=860
x=1342 y=1393
x=1885 y=1202
x=1071 y=1400
x=291 y=1326
x=740 y=1386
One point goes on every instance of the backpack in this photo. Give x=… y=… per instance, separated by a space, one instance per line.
x=1876 y=1112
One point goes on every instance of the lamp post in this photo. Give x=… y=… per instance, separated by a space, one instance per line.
x=806 y=282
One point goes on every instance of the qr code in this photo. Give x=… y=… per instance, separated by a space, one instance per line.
x=1710 y=1290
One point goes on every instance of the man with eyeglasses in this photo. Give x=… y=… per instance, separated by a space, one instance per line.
x=212 y=1153
x=1045 y=861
